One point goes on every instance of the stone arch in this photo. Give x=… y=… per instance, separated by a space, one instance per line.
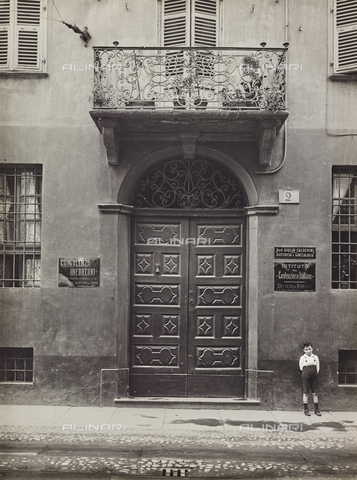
x=135 y=172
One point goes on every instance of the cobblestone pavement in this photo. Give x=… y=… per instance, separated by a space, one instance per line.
x=244 y=452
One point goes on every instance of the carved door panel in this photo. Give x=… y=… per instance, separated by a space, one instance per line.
x=187 y=320
x=216 y=308
x=158 y=346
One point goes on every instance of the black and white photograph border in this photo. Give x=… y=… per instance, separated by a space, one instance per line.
x=178 y=239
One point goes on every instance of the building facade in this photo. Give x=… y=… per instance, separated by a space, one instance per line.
x=178 y=200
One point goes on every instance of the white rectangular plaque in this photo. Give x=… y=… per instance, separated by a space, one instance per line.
x=289 y=196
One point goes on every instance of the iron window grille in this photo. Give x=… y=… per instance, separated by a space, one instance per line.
x=20 y=226
x=16 y=365
x=347 y=367
x=344 y=228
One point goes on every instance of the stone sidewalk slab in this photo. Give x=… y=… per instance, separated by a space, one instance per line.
x=85 y=416
x=349 y=419
x=135 y=418
x=31 y=415
x=180 y=420
x=193 y=420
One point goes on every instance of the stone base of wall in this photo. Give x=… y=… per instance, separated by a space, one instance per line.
x=73 y=381
x=95 y=381
x=279 y=387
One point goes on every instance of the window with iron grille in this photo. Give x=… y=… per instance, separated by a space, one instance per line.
x=16 y=364
x=347 y=367
x=22 y=35
x=20 y=226
x=344 y=228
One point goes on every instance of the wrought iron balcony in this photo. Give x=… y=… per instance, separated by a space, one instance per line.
x=189 y=95
x=189 y=78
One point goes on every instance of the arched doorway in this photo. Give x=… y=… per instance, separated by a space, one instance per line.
x=188 y=313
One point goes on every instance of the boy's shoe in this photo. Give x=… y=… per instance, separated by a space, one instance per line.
x=317 y=412
x=306 y=411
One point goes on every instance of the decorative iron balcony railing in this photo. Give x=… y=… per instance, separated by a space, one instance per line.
x=189 y=78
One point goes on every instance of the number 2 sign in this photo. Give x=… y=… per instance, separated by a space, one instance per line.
x=289 y=196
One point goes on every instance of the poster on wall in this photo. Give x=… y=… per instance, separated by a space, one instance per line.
x=78 y=272
x=295 y=277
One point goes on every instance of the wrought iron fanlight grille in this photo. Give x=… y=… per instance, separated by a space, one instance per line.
x=189 y=184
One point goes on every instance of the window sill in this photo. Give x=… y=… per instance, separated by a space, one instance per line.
x=16 y=383
x=348 y=385
x=343 y=77
x=19 y=74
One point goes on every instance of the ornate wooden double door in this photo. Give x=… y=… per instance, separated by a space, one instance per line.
x=188 y=316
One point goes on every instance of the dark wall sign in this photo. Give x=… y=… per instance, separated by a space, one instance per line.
x=79 y=272
x=295 y=252
x=295 y=277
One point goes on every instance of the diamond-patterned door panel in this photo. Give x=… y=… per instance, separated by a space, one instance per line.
x=156 y=325
x=144 y=263
x=205 y=326
x=232 y=265
x=205 y=265
x=171 y=324
x=142 y=325
x=232 y=326
x=170 y=264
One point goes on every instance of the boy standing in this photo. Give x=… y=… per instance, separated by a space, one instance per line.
x=310 y=366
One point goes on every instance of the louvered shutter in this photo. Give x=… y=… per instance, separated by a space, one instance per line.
x=176 y=33
x=28 y=24
x=176 y=17
x=4 y=33
x=204 y=23
x=190 y=23
x=346 y=33
x=204 y=32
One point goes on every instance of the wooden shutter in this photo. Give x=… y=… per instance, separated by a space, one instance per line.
x=346 y=36
x=28 y=24
x=176 y=23
x=205 y=23
x=190 y=23
x=176 y=33
x=4 y=33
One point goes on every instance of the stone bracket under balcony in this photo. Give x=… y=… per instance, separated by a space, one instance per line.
x=189 y=127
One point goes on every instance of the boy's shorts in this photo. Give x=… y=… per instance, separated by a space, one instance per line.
x=309 y=379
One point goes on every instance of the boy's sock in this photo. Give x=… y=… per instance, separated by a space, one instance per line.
x=317 y=411
x=306 y=409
